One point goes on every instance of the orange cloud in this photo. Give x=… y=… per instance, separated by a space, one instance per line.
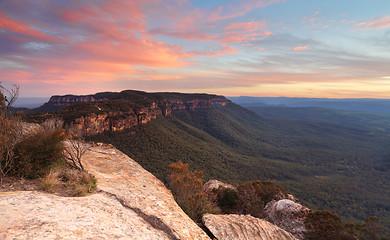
x=22 y=28
x=303 y=48
x=379 y=23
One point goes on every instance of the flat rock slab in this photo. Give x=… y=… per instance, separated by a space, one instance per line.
x=130 y=203
x=38 y=215
x=121 y=177
x=243 y=227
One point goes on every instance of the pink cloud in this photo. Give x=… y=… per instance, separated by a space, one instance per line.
x=242 y=32
x=302 y=48
x=378 y=23
x=22 y=28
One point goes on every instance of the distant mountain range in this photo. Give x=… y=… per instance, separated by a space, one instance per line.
x=370 y=105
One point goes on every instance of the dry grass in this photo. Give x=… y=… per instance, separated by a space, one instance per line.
x=50 y=182
x=68 y=181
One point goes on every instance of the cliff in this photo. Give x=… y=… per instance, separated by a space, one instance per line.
x=67 y=100
x=130 y=203
x=92 y=114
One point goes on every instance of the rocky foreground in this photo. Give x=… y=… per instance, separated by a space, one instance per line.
x=130 y=203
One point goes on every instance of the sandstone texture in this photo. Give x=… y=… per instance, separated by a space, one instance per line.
x=38 y=215
x=288 y=215
x=240 y=227
x=130 y=203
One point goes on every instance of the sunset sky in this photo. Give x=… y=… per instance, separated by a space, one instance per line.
x=294 y=48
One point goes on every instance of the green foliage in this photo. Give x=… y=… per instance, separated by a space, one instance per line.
x=37 y=153
x=324 y=225
x=254 y=195
x=227 y=199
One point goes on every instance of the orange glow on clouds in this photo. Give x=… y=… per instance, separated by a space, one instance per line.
x=379 y=23
x=303 y=48
x=235 y=48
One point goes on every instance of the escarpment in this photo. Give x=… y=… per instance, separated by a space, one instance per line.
x=93 y=114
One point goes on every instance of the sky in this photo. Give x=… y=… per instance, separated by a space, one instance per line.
x=265 y=48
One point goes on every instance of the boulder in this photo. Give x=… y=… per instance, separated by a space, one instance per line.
x=288 y=215
x=243 y=227
x=209 y=186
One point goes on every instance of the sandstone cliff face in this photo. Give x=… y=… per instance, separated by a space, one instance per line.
x=240 y=227
x=130 y=203
x=95 y=123
x=288 y=215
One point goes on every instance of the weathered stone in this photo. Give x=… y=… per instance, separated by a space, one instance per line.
x=122 y=178
x=38 y=215
x=237 y=227
x=215 y=184
x=130 y=203
x=288 y=215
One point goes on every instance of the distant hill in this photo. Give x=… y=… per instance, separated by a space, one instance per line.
x=326 y=164
x=30 y=102
x=370 y=105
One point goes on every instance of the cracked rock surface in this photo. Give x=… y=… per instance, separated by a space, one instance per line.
x=130 y=203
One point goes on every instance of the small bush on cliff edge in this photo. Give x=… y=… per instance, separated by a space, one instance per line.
x=37 y=153
x=254 y=195
x=68 y=181
x=186 y=187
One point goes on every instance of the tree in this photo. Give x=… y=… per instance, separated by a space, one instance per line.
x=10 y=130
x=76 y=148
x=7 y=98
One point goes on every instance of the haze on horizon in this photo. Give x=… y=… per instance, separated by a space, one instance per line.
x=300 y=48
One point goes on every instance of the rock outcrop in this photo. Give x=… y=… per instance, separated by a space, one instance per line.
x=243 y=227
x=130 y=203
x=209 y=186
x=288 y=215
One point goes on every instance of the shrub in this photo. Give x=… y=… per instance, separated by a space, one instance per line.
x=254 y=195
x=37 y=153
x=324 y=225
x=10 y=134
x=10 y=130
x=50 y=181
x=227 y=199
x=186 y=187
x=68 y=181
